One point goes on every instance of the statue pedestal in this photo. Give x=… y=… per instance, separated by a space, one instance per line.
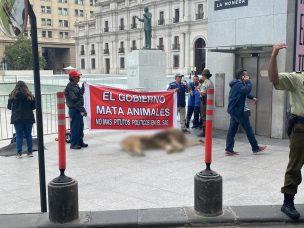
x=147 y=70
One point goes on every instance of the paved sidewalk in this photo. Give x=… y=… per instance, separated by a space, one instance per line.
x=110 y=179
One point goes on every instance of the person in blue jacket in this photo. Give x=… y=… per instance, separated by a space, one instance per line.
x=193 y=103
x=239 y=112
x=181 y=90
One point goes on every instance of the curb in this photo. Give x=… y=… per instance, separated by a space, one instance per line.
x=159 y=217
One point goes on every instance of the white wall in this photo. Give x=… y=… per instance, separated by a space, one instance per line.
x=260 y=23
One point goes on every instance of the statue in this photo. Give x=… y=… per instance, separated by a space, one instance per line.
x=147 y=27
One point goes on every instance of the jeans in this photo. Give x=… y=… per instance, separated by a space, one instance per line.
x=76 y=127
x=24 y=129
x=233 y=127
x=190 y=111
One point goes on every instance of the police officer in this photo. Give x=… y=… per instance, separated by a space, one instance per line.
x=294 y=84
x=203 y=94
x=181 y=89
x=74 y=100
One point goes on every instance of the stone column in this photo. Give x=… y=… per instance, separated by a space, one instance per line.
x=182 y=50
x=187 y=50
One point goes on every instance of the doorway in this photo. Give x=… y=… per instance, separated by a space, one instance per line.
x=261 y=112
x=200 y=55
x=107 y=64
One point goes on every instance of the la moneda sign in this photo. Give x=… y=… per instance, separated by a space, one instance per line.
x=226 y=4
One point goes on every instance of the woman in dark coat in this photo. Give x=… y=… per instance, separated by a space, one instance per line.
x=22 y=103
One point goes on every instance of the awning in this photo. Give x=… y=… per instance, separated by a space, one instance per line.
x=245 y=48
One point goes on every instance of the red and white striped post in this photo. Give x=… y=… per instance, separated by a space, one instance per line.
x=208 y=196
x=209 y=126
x=61 y=131
x=63 y=190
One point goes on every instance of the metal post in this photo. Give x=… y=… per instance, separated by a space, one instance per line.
x=63 y=190
x=38 y=109
x=208 y=196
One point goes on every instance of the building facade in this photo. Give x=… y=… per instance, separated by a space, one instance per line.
x=178 y=27
x=55 y=29
x=241 y=35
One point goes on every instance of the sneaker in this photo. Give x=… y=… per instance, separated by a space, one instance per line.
x=261 y=149
x=84 y=145
x=231 y=153
x=187 y=124
x=30 y=154
x=75 y=147
x=290 y=211
x=18 y=156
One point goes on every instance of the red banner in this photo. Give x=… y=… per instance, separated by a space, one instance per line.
x=113 y=108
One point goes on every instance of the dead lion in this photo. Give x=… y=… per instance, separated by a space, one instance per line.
x=171 y=140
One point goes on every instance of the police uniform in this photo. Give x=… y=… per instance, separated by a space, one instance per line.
x=205 y=86
x=294 y=84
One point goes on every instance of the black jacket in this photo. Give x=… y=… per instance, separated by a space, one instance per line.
x=74 y=97
x=22 y=109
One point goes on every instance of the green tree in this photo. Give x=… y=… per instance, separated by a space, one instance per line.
x=18 y=55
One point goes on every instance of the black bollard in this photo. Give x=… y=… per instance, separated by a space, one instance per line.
x=208 y=193
x=63 y=199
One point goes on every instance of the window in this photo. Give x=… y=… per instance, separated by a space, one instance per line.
x=64 y=35
x=133 y=45
x=46 y=9
x=82 y=50
x=176 y=61
x=176 y=16
x=92 y=2
x=65 y=11
x=63 y=1
x=91 y=13
x=161 y=20
x=106 y=50
x=46 y=22
x=176 y=45
x=122 y=63
x=92 y=49
x=121 y=49
x=106 y=27
x=160 y=43
x=60 y=11
x=82 y=64
x=76 y=13
x=63 y=23
x=200 y=13
x=133 y=25
x=81 y=13
x=121 y=26
x=93 y=64
x=79 y=2
x=47 y=34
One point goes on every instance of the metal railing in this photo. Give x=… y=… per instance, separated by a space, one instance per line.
x=49 y=114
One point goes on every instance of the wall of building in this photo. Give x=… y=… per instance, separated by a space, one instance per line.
x=188 y=29
x=261 y=23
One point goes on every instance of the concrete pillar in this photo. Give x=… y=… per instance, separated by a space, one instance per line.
x=63 y=200
x=183 y=50
x=208 y=193
x=187 y=50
